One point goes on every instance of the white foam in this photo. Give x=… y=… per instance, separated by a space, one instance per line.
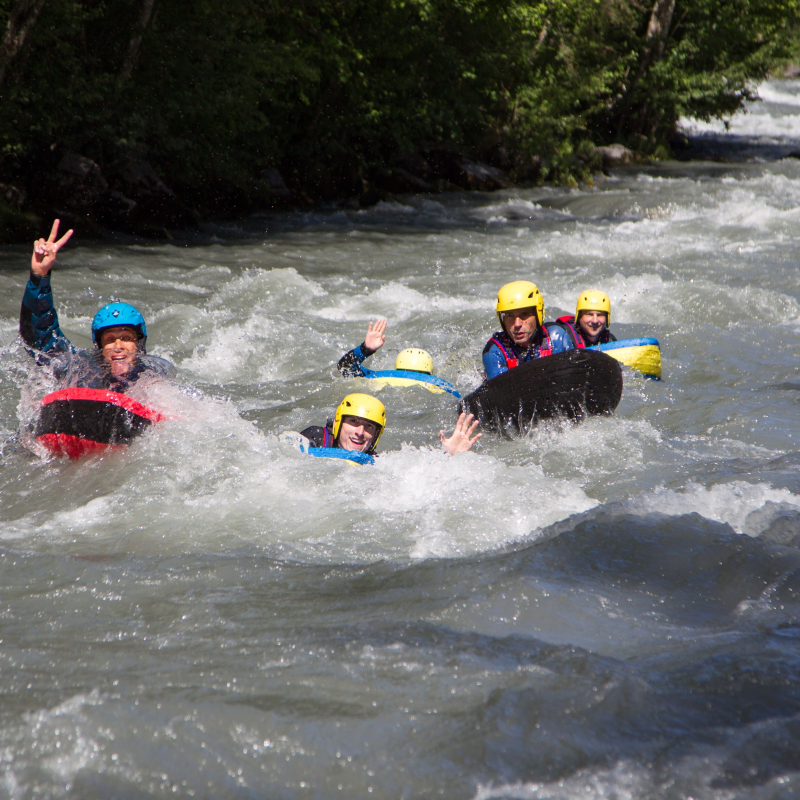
x=219 y=481
x=624 y=781
x=62 y=740
x=765 y=119
x=397 y=302
x=728 y=503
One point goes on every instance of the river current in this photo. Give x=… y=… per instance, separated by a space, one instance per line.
x=604 y=610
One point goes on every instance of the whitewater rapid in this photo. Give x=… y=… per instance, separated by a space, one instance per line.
x=601 y=610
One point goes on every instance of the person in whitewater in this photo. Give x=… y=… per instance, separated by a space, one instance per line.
x=524 y=335
x=592 y=317
x=350 y=363
x=119 y=333
x=360 y=420
x=411 y=364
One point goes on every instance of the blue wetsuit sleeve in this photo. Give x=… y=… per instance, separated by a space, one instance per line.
x=38 y=319
x=560 y=339
x=350 y=363
x=494 y=362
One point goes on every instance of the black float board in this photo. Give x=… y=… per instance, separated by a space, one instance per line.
x=75 y=422
x=572 y=384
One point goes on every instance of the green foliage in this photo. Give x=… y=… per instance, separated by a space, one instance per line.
x=17 y=226
x=334 y=91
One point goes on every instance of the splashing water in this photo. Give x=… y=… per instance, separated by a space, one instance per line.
x=601 y=610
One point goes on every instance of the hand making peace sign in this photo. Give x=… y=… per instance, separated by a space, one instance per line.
x=45 y=251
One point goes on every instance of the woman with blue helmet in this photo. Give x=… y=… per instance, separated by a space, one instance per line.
x=119 y=333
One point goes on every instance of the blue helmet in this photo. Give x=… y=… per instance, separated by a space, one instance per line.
x=114 y=315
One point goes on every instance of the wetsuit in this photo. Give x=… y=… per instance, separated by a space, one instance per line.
x=320 y=436
x=73 y=368
x=323 y=437
x=501 y=354
x=350 y=363
x=576 y=335
x=350 y=367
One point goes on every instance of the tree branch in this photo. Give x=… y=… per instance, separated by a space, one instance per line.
x=22 y=18
x=135 y=44
x=657 y=33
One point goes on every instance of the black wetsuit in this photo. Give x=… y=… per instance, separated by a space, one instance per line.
x=350 y=363
x=320 y=436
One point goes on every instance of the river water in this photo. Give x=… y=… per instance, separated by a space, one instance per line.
x=607 y=610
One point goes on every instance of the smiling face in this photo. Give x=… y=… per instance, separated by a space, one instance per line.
x=521 y=325
x=120 y=348
x=592 y=324
x=357 y=434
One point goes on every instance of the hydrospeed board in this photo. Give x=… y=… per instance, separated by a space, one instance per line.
x=640 y=354
x=572 y=384
x=76 y=422
x=406 y=377
x=301 y=443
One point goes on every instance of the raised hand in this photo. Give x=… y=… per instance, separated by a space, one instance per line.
x=375 y=337
x=45 y=251
x=460 y=441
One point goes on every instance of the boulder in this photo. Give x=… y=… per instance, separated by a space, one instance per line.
x=138 y=197
x=616 y=155
x=76 y=184
x=416 y=165
x=792 y=71
x=12 y=195
x=401 y=181
x=476 y=176
x=277 y=186
x=134 y=176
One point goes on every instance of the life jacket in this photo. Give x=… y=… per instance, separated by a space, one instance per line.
x=503 y=342
x=568 y=324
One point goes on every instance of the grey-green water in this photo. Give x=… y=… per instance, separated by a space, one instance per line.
x=601 y=611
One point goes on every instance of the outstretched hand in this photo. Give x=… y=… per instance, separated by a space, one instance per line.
x=459 y=441
x=375 y=337
x=45 y=251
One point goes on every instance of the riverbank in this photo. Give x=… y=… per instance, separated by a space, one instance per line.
x=130 y=199
x=149 y=122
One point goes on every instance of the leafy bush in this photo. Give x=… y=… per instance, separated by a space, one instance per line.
x=334 y=91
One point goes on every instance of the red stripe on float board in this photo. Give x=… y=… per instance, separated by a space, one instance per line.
x=104 y=396
x=64 y=444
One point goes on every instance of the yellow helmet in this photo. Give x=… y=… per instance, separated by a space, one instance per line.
x=361 y=405
x=414 y=360
x=593 y=300
x=520 y=294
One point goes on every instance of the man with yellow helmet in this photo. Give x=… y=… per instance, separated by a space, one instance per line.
x=359 y=422
x=524 y=335
x=592 y=317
